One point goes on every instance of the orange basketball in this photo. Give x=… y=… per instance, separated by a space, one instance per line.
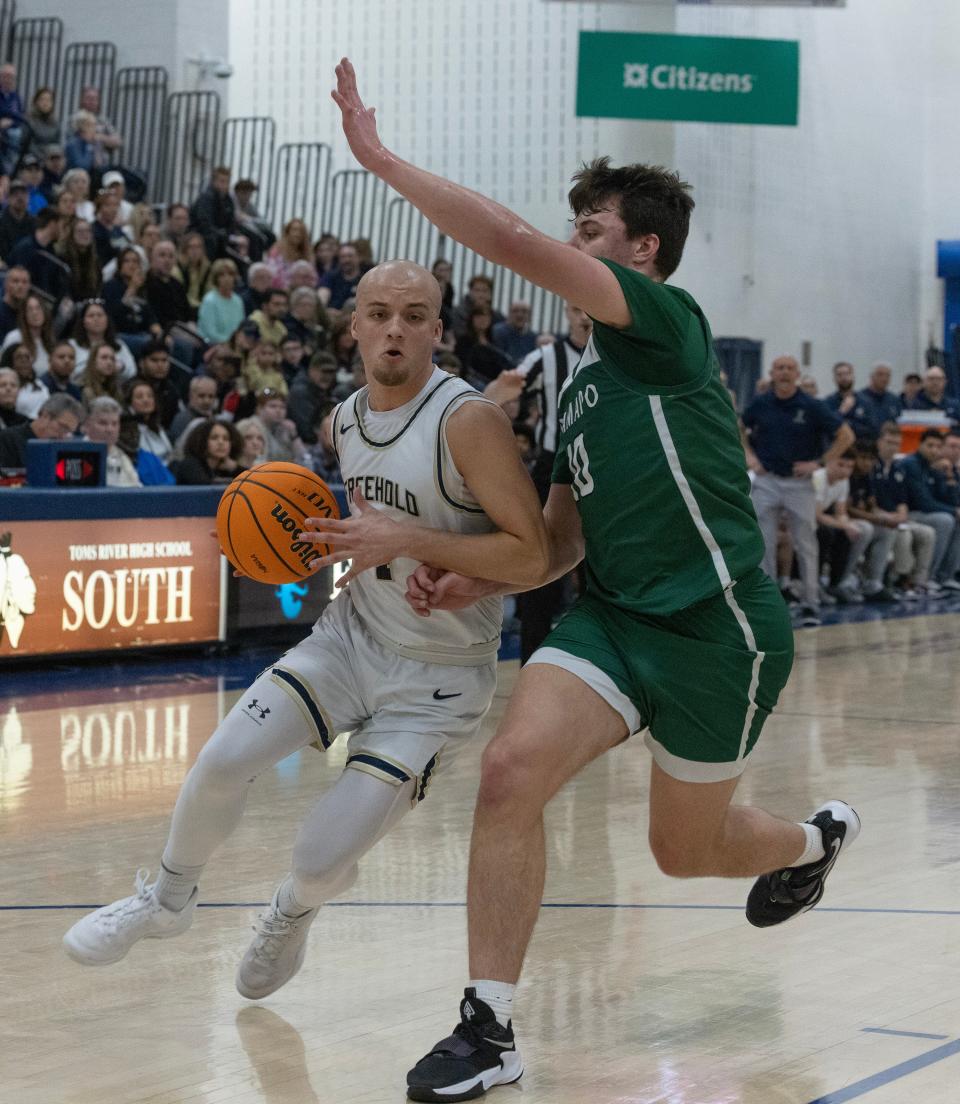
x=260 y=518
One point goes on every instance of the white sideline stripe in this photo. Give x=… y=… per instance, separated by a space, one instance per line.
x=719 y=564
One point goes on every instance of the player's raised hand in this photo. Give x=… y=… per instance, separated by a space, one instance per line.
x=359 y=122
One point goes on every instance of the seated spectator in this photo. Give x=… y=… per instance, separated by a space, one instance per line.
x=32 y=394
x=514 y=336
x=132 y=316
x=862 y=505
x=914 y=542
x=176 y=224
x=302 y=275
x=194 y=270
x=950 y=461
x=364 y=248
x=842 y=540
x=101 y=373
x=54 y=168
x=141 y=235
x=31 y=173
x=77 y=182
x=164 y=293
x=875 y=404
x=311 y=392
x=107 y=138
x=343 y=345
x=933 y=395
x=443 y=272
x=931 y=502
x=116 y=183
x=108 y=235
x=66 y=207
x=259 y=280
x=213 y=215
x=254 y=438
x=211 y=454
x=57 y=420
x=48 y=273
x=481 y=359
x=325 y=254
x=223 y=366
x=268 y=317
x=292 y=358
x=255 y=227
x=307 y=320
x=262 y=370
x=102 y=425
x=16 y=288
x=293 y=246
x=322 y=458
x=479 y=294
x=62 y=362
x=9 y=389
x=11 y=119
x=82 y=148
x=221 y=310
x=34 y=331
x=283 y=440
x=340 y=284
x=92 y=325
x=16 y=222
x=45 y=130
x=80 y=256
x=201 y=403
x=170 y=382
x=142 y=404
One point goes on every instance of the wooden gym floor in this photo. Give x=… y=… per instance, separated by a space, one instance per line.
x=638 y=989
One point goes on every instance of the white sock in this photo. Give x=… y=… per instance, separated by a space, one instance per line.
x=498 y=995
x=173 y=888
x=287 y=901
x=814 y=849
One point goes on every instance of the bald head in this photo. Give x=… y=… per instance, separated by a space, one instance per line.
x=400 y=278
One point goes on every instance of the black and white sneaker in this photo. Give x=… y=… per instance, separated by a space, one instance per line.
x=786 y=893
x=478 y=1055
x=809 y=617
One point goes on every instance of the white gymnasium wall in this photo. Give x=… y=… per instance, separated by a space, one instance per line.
x=824 y=233
x=482 y=92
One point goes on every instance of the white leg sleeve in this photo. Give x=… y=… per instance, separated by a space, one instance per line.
x=265 y=726
x=340 y=829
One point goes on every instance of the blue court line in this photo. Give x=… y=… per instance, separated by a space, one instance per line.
x=903 y=1034
x=546 y=905
x=894 y=1073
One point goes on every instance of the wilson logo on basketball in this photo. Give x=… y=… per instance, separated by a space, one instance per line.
x=305 y=552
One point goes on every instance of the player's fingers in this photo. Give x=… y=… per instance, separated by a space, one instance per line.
x=425 y=576
x=333 y=524
x=329 y=560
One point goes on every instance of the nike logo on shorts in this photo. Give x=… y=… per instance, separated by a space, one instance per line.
x=437 y=696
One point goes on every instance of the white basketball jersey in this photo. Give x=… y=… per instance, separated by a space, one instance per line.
x=400 y=462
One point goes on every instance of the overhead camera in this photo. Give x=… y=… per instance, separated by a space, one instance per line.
x=223 y=69
x=208 y=66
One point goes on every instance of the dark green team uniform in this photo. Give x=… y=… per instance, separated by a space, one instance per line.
x=677 y=612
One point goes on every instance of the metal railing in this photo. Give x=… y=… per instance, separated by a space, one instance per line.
x=36 y=54
x=8 y=13
x=298 y=189
x=356 y=205
x=137 y=102
x=191 y=130
x=247 y=146
x=86 y=64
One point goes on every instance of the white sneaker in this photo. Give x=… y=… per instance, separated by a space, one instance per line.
x=107 y=935
x=276 y=953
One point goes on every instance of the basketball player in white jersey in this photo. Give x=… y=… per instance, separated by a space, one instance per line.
x=411 y=691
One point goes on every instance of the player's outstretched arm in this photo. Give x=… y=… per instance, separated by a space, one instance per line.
x=488 y=228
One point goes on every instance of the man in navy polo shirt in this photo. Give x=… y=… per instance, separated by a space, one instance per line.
x=933 y=395
x=930 y=500
x=914 y=543
x=785 y=430
x=875 y=404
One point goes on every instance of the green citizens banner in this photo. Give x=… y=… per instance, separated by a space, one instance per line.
x=688 y=77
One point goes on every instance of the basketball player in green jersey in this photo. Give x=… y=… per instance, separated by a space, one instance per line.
x=679 y=632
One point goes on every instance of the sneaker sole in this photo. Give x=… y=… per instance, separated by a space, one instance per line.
x=849 y=838
x=251 y=994
x=509 y=1072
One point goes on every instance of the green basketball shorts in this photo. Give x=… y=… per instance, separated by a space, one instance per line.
x=702 y=680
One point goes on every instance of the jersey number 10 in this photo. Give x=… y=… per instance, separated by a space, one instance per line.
x=579 y=468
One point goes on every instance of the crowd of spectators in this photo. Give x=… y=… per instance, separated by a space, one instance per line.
x=843 y=519
x=191 y=340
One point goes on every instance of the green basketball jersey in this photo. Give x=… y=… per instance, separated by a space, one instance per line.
x=649 y=441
